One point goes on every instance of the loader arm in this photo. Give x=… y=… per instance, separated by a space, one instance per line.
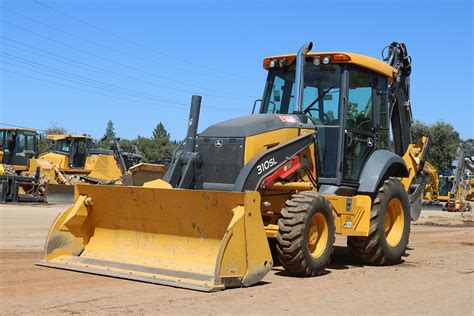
x=414 y=183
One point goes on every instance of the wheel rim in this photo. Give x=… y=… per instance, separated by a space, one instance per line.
x=317 y=235
x=394 y=222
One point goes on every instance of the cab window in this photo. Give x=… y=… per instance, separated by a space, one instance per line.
x=360 y=110
x=62 y=145
x=30 y=143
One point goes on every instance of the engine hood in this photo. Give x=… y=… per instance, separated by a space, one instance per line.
x=255 y=124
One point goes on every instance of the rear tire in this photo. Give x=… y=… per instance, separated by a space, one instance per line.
x=305 y=237
x=389 y=227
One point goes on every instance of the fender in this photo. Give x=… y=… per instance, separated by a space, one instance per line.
x=380 y=163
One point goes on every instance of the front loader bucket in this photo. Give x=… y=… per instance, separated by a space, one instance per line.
x=202 y=240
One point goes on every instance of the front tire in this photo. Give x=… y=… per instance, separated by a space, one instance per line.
x=389 y=227
x=305 y=237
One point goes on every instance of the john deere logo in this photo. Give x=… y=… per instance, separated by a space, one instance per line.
x=219 y=143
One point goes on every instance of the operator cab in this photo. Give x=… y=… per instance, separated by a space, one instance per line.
x=18 y=146
x=75 y=146
x=347 y=104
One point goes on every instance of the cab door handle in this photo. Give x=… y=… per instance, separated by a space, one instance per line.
x=349 y=138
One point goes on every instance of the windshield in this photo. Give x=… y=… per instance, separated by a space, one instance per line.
x=25 y=143
x=320 y=103
x=320 y=96
x=18 y=146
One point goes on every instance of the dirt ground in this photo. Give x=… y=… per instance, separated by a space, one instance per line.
x=437 y=277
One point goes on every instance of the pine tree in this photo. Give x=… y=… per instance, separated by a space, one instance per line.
x=158 y=148
x=109 y=135
x=110 y=131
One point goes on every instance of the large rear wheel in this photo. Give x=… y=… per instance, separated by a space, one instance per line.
x=306 y=234
x=389 y=227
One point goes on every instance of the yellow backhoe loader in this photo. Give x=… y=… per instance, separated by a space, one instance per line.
x=431 y=189
x=470 y=187
x=457 y=201
x=17 y=147
x=445 y=186
x=454 y=191
x=329 y=152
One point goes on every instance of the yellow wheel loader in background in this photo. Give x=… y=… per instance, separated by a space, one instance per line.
x=73 y=160
x=329 y=152
x=17 y=147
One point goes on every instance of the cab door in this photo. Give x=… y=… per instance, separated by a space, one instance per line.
x=360 y=135
x=78 y=154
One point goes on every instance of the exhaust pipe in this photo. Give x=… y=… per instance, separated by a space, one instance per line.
x=185 y=170
x=299 y=78
x=193 y=123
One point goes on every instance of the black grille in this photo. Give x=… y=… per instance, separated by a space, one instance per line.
x=223 y=158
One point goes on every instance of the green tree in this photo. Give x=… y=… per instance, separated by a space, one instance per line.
x=158 y=148
x=45 y=144
x=109 y=135
x=468 y=146
x=161 y=139
x=126 y=144
x=444 y=142
x=160 y=133
x=419 y=129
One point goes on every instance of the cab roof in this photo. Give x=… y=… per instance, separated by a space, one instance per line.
x=65 y=136
x=367 y=62
x=17 y=129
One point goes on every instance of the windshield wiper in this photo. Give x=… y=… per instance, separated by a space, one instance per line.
x=308 y=108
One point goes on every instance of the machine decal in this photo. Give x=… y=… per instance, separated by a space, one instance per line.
x=267 y=164
x=287 y=119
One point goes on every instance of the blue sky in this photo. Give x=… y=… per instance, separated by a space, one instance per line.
x=81 y=63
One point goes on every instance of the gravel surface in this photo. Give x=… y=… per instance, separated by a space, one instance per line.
x=437 y=277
